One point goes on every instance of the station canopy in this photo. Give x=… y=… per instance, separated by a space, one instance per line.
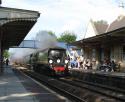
x=109 y=38
x=15 y=25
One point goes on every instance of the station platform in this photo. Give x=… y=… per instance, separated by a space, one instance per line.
x=111 y=79
x=15 y=87
x=113 y=74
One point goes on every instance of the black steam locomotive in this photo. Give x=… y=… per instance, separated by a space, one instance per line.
x=50 y=61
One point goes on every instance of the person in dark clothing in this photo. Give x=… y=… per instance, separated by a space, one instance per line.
x=0 y=2
x=7 y=61
x=113 y=66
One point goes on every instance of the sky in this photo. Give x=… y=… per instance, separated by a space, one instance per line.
x=66 y=15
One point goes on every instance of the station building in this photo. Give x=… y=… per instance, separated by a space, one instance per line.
x=105 y=42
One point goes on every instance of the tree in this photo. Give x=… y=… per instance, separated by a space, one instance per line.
x=6 y=54
x=101 y=22
x=101 y=26
x=52 y=33
x=67 y=37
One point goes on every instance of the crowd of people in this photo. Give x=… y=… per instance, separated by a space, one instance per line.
x=81 y=63
x=108 y=65
x=77 y=61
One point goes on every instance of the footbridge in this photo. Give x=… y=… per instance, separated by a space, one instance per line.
x=27 y=44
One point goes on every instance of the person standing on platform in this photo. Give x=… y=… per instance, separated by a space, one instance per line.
x=81 y=61
x=7 y=61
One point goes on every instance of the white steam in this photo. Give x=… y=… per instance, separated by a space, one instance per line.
x=18 y=54
x=43 y=40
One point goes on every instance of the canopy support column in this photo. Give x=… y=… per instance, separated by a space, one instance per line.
x=1 y=51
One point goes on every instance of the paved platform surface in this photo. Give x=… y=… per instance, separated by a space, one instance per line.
x=114 y=80
x=22 y=89
x=116 y=74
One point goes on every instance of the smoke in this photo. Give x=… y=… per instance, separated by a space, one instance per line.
x=43 y=40
x=18 y=54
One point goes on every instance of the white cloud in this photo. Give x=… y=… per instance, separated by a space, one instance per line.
x=71 y=25
x=59 y=15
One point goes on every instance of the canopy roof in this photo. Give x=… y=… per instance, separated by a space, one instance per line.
x=116 y=36
x=15 y=25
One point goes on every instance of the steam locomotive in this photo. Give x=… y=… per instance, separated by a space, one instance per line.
x=50 y=61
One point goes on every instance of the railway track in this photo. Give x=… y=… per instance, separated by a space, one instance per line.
x=101 y=89
x=76 y=91
x=55 y=85
x=114 y=89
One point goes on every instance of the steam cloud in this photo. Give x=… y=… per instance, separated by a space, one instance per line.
x=43 y=40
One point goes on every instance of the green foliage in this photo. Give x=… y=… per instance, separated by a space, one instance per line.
x=67 y=37
x=6 y=54
x=52 y=33
x=101 y=22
